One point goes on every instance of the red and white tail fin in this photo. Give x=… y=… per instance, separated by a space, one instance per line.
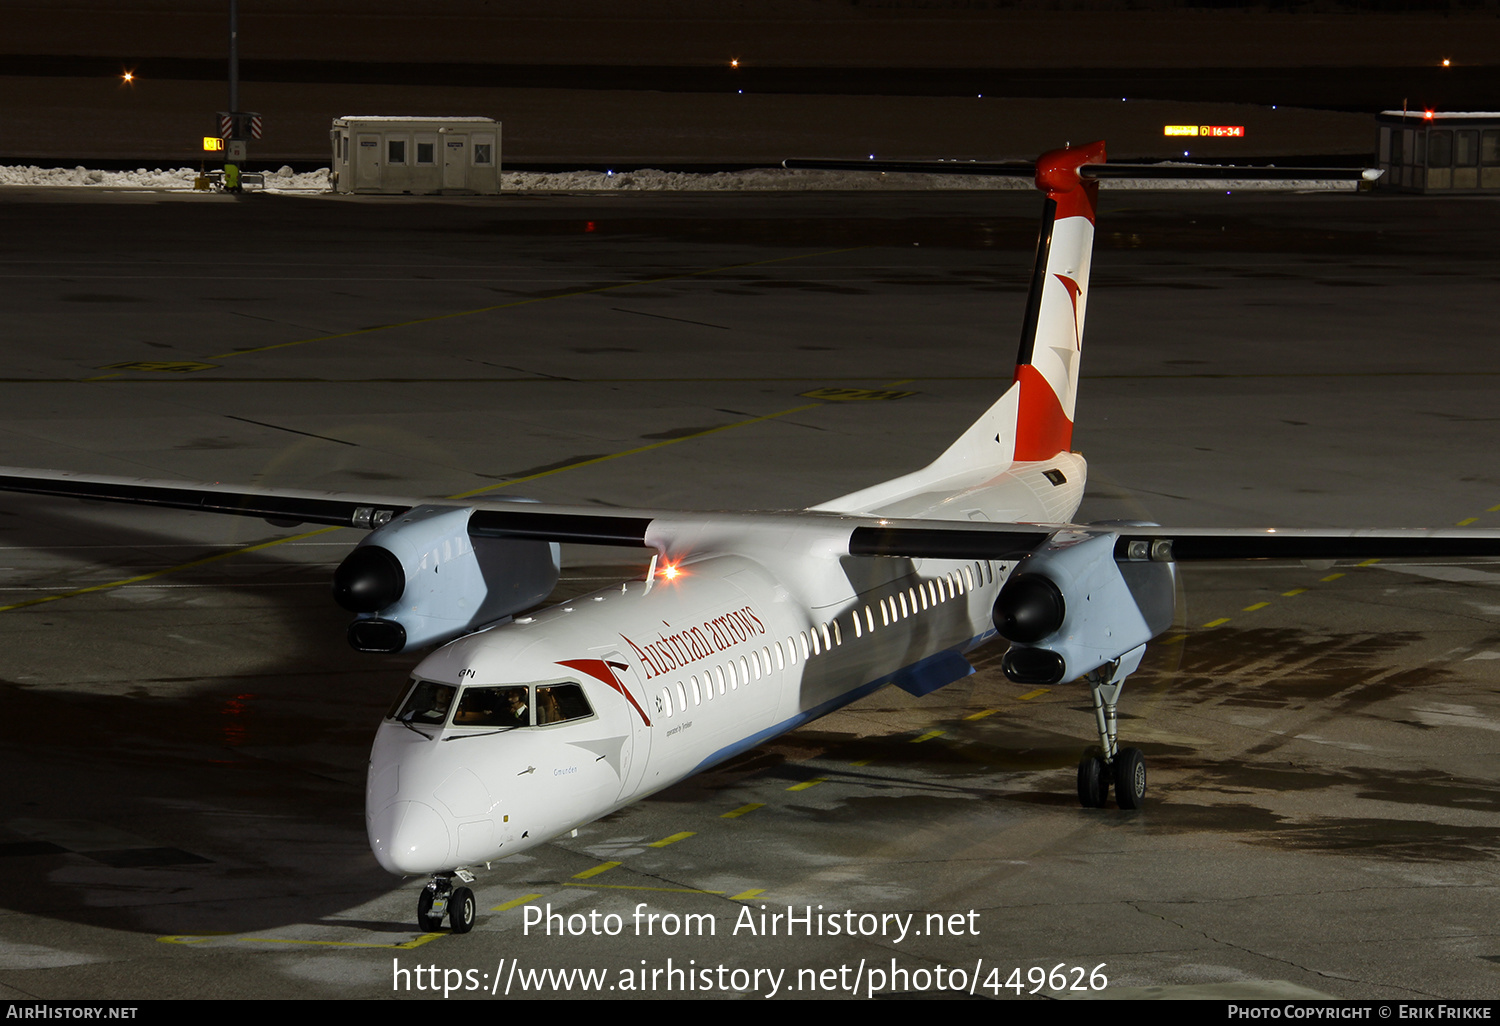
x=1033 y=420
x=1052 y=335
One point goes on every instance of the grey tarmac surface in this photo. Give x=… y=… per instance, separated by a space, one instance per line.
x=185 y=730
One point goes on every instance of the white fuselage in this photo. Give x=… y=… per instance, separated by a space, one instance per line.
x=680 y=672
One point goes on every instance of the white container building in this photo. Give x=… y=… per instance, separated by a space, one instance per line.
x=383 y=154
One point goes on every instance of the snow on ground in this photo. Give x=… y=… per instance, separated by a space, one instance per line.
x=285 y=180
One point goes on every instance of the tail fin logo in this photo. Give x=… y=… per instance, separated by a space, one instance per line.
x=1074 y=292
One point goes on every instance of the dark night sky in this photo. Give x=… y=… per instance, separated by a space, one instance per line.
x=592 y=79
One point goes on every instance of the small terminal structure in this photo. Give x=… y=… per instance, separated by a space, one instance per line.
x=1439 y=151
x=383 y=154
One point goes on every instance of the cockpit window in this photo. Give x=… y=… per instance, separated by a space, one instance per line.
x=493 y=707
x=557 y=703
x=428 y=703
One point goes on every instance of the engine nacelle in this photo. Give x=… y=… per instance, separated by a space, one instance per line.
x=421 y=579
x=1070 y=607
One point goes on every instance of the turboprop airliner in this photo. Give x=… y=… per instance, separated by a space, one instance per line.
x=523 y=726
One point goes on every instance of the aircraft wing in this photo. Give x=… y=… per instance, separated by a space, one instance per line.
x=868 y=536
x=923 y=539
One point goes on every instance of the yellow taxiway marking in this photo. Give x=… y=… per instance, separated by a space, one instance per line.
x=862 y=762
x=1368 y=562
x=1173 y=639
x=742 y=810
x=515 y=902
x=1258 y=605
x=981 y=714
x=1467 y=522
x=1294 y=591
x=814 y=782
x=634 y=887
x=1215 y=623
x=326 y=530
x=1331 y=577
x=166 y=570
x=601 y=868
x=632 y=452
x=527 y=302
x=1493 y=509
x=672 y=840
x=747 y=895
x=1038 y=693
x=927 y=736
x=200 y=938
x=842 y=395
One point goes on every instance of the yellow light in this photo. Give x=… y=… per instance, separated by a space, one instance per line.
x=212 y=142
x=129 y=76
x=670 y=572
x=1447 y=62
x=1179 y=130
x=736 y=63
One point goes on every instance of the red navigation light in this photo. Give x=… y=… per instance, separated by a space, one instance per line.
x=1428 y=115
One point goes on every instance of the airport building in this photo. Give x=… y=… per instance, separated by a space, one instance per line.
x=383 y=154
x=1439 y=152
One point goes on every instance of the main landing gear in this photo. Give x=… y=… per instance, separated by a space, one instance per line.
x=1108 y=764
x=440 y=898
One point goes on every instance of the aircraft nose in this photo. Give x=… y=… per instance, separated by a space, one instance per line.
x=409 y=838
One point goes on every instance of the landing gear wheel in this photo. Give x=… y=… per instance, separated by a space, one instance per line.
x=1130 y=778
x=462 y=910
x=1093 y=780
x=425 y=918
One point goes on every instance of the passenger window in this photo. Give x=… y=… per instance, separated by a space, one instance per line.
x=791 y=651
x=395 y=152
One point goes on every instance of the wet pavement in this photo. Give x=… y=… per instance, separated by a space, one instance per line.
x=185 y=744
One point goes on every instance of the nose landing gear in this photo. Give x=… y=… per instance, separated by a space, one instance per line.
x=440 y=898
